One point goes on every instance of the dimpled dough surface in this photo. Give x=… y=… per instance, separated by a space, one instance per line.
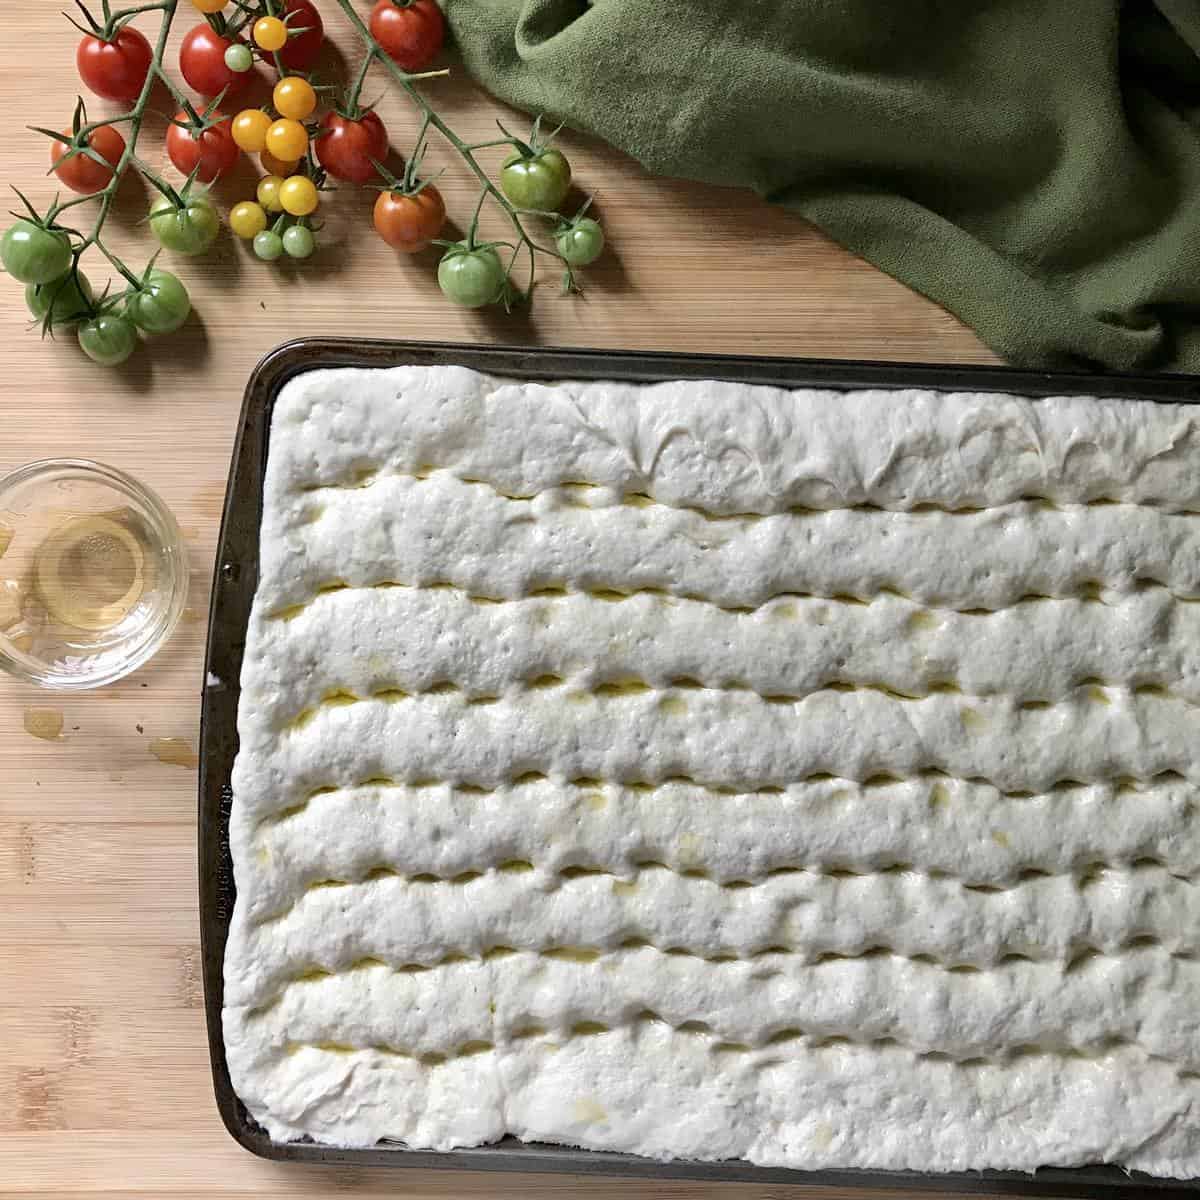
x=709 y=771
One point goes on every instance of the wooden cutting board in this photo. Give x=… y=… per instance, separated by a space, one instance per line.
x=103 y=1062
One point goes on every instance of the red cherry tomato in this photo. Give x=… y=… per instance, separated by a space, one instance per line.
x=202 y=61
x=410 y=223
x=116 y=70
x=83 y=174
x=301 y=51
x=411 y=32
x=345 y=148
x=214 y=150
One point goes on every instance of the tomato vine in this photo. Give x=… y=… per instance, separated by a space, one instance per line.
x=300 y=151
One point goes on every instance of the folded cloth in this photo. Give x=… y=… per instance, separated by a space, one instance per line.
x=1032 y=165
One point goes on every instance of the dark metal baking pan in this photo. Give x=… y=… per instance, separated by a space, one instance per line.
x=233 y=591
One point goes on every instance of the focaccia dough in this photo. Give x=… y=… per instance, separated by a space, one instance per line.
x=704 y=770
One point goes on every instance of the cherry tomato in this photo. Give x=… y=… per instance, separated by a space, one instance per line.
x=202 y=61
x=210 y=6
x=299 y=196
x=188 y=230
x=277 y=166
x=287 y=140
x=268 y=245
x=116 y=70
x=294 y=98
x=581 y=242
x=540 y=182
x=302 y=48
x=160 y=305
x=247 y=219
x=270 y=34
x=411 y=32
x=31 y=254
x=214 y=150
x=469 y=277
x=239 y=58
x=83 y=174
x=66 y=300
x=249 y=130
x=108 y=339
x=298 y=242
x=410 y=223
x=346 y=148
x=268 y=193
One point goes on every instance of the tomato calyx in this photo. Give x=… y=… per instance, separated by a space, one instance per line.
x=180 y=198
x=78 y=142
x=74 y=283
x=48 y=222
x=349 y=107
x=410 y=182
x=105 y=30
x=509 y=294
x=139 y=286
x=537 y=142
x=200 y=122
x=220 y=25
x=231 y=27
x=567 y=225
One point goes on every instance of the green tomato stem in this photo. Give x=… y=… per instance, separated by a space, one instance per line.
x=176 y=93
x=475 y=223
x=136 y=116
x=126 y=273
x=406 y=83
x=488 y=145
x=354 y=95
x=113 y=22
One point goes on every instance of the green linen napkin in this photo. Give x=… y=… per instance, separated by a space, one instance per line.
x=1033 y=165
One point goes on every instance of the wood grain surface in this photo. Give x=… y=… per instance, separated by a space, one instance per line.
x=103 y=1063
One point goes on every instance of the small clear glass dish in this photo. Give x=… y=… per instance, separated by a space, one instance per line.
x=93 y=574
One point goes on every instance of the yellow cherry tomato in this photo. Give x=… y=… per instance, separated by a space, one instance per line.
x=247 y=219
x=250 y=130
x=270 y=34
x=277 y=166
x=298 y=196
x=287 y=140
x=268 y=193
x=295 y=98
x=210 y=6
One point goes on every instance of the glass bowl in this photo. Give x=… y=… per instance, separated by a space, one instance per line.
x=93 y=574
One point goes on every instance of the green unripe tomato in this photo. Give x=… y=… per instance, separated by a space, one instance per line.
x=189 y=230
x=239 y=58
x=298 y=242
x=268 y=245
x=540 y=182
x=161 y=305
x=471 y=278
x=31 y=254
x=67 y=299
x=108 y=339
x=581 y=243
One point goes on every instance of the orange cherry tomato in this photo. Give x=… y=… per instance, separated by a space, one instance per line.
x=295 y=98
x=250 y=130
x=410 y=223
